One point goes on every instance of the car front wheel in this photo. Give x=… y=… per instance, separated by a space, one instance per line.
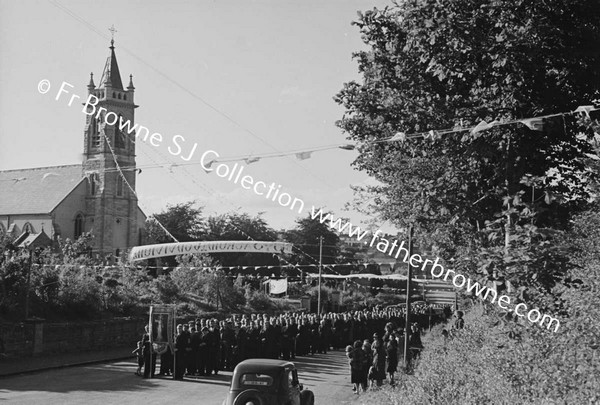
x=307 y=398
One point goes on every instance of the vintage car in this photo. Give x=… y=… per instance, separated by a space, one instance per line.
x=267 y=382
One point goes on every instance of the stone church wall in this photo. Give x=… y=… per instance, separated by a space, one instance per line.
x=65 y=213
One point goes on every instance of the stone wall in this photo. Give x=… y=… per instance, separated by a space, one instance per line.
x=38 y=337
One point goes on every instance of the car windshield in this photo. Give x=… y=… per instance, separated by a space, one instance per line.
x=262 y=380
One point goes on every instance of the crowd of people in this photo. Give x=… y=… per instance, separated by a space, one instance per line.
x=203 y=347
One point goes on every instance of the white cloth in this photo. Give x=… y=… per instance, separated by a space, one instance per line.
x=278 y=286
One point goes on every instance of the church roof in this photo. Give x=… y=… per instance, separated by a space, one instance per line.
x=111 y=75
x=38 y=190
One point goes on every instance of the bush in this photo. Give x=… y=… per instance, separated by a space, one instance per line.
x=258 y=301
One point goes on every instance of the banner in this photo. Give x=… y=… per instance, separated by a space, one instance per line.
x=278 y=286
x=162 y=327
x=185 y=248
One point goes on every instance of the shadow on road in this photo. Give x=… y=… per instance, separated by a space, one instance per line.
x=112 y=377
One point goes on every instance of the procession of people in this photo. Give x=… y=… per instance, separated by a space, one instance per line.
x=374 y=341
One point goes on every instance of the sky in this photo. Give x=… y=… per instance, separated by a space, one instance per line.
x=240 y=78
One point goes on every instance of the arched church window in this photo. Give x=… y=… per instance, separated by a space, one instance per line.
x=119 y=96
x=124 y=96
x=28 y=228
x=78 y=231
x=114 y=95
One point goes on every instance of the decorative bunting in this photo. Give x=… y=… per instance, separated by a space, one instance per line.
x=482 y=126
x=303 y=155
x=535 y=124
x=585 y=109
x=400 y=136
x=250 y=160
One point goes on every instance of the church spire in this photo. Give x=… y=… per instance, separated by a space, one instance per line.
x=111 y=77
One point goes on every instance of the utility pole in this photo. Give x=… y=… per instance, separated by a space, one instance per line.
x=409 y=276
x=320 y=272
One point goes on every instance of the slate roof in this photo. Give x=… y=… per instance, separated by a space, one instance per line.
x=37 y=190
x=39 y=239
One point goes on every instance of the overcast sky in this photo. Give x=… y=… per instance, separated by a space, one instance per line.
x=237 y=77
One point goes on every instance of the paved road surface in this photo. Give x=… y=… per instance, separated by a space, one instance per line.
x=115 y=383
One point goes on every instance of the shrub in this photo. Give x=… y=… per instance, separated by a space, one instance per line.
x=258 y=301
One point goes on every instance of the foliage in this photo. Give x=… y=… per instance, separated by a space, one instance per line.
x=76 y=251
x=184 y=221
x=13 y=279
x=258 y=301
x=498 y=358
x=493 y=362
x=241 y=226
x=306 y=237
x=451 y=64
x=165 y=289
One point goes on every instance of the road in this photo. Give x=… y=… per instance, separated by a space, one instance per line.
x=115 y=383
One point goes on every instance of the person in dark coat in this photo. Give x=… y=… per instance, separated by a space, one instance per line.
x=303 y=339
x=227 y=344
x=379 y=359
x=314 y=337
x=338 y=332
x=195 y=338
x=181 y=343
x=214 y=342
x=392 y=358
x=285 y=341
x=203 y=347
x=358 y=362
x=292 y=331
x=254 y=341
x=241 y=339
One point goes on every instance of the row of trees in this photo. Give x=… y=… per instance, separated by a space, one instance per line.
x=67 y=282
x=186 y=222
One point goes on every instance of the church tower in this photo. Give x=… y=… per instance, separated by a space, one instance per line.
x=112 y=212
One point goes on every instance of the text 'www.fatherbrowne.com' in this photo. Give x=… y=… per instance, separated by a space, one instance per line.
x=396 y=250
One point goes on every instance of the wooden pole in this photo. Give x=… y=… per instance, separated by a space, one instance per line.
x=320 y=272
x=409 y=276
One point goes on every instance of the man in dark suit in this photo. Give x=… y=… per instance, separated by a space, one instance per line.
x=181 y=343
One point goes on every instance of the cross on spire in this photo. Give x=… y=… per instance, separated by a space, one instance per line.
x=112 y=33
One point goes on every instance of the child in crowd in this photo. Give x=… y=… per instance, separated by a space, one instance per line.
x=140 y=357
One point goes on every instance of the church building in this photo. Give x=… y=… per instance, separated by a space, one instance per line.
x=40 y=205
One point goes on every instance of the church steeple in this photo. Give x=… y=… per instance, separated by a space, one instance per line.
x=109 y=136
x=111 y=77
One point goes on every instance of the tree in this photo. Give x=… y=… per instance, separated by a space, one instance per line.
x=452 y=64
x=305 y=238
x=184 y=221
x=241 y=226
